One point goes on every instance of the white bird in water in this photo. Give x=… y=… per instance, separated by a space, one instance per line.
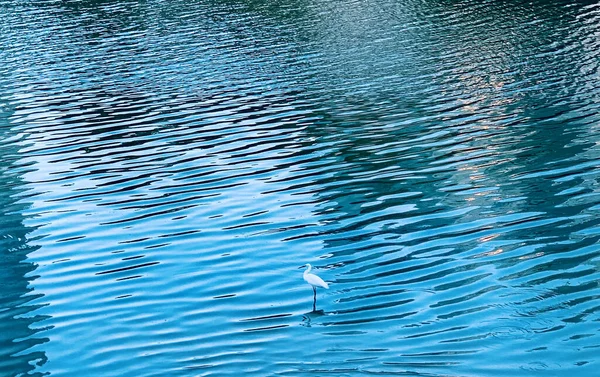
x=315 y=282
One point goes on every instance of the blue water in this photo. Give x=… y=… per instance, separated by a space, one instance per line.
x=168 y=166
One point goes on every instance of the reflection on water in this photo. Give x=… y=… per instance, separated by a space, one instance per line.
x=169 y=166
x=18 y=329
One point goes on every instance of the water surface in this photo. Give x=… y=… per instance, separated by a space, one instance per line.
x=168 y=166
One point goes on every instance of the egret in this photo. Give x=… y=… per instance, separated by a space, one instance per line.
x=315 y=282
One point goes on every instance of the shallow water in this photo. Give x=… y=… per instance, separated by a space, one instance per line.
x=167 y=167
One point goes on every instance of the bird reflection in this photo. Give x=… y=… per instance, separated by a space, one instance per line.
x=307 y=318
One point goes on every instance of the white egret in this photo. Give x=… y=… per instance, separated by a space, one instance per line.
x=315 y=282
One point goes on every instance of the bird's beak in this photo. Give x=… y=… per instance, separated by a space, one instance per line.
x=301 y=267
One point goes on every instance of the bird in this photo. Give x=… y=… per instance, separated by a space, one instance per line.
x=315 y=282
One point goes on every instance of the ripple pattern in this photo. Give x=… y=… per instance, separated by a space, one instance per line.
x=167 y=167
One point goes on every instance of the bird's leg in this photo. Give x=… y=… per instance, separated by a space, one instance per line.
x=314 y=299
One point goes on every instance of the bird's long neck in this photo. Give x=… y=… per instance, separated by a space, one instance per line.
x=308 y=269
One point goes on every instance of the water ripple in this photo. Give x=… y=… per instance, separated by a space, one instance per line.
x=169 y=166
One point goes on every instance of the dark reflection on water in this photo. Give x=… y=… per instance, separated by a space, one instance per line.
x=19 y=332
x=168 y=166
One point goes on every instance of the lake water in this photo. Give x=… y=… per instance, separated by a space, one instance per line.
x=168 y=166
